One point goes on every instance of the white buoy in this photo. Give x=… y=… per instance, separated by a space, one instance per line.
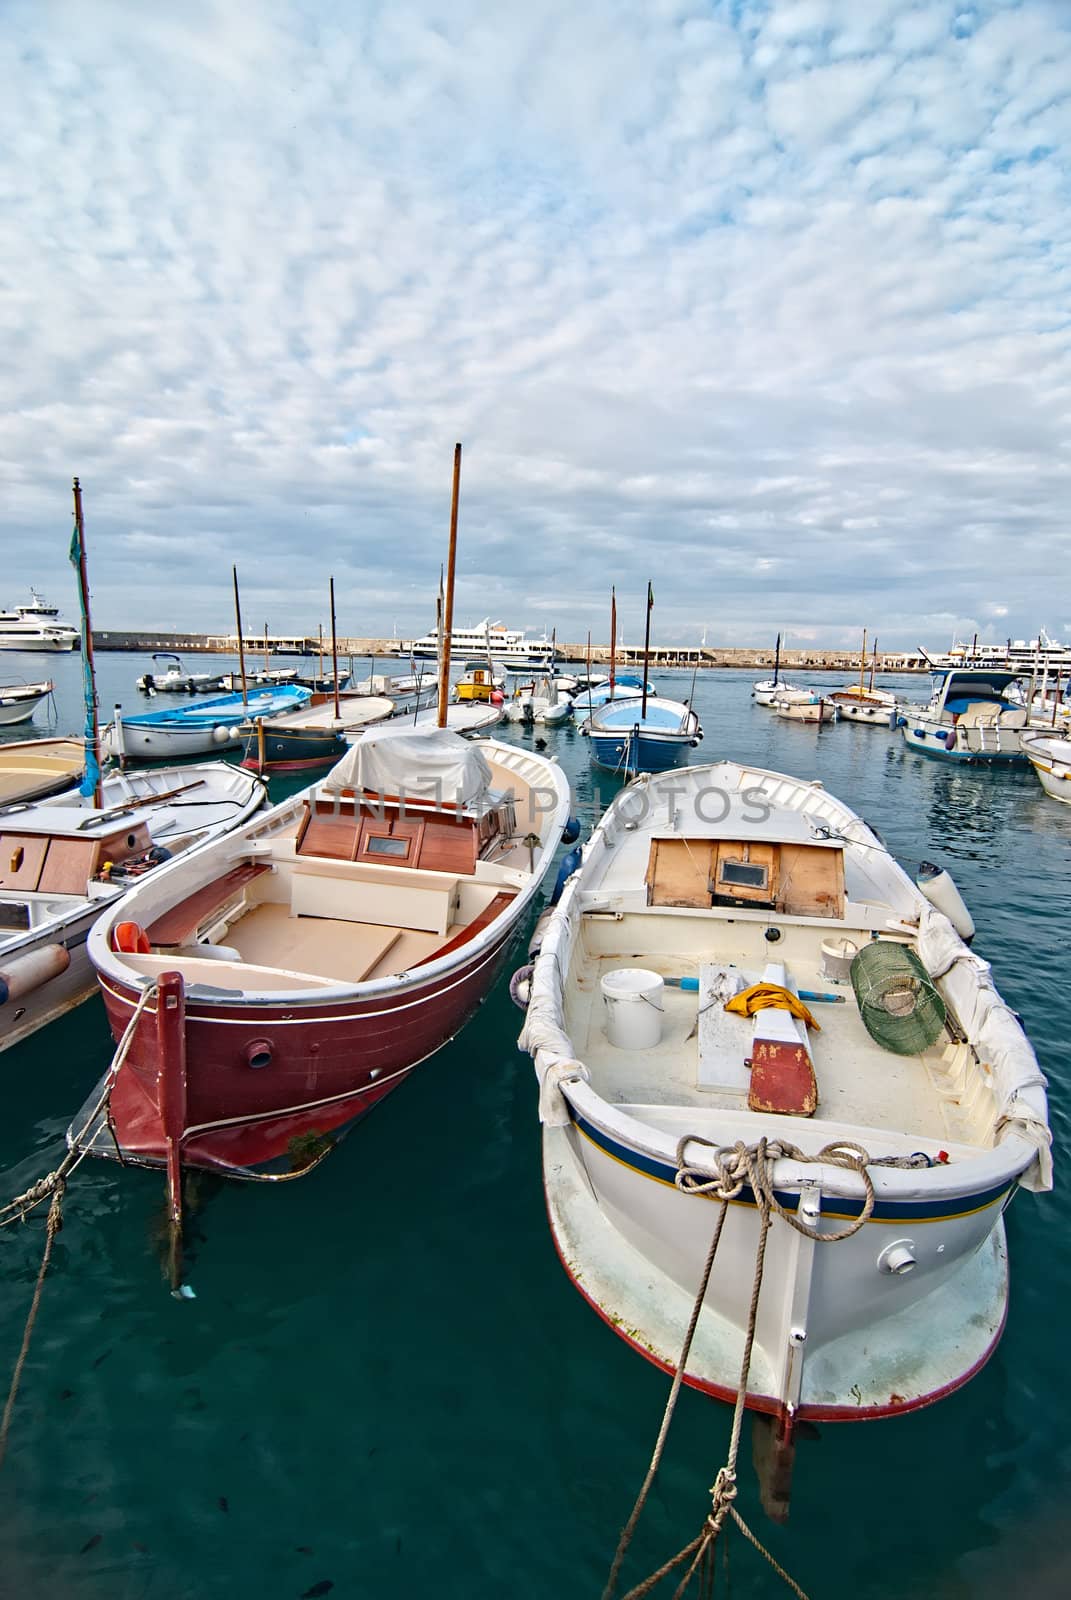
x=634 y=1006
x=939 y=889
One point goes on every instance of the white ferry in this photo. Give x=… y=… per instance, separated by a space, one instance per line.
x=1026 y=654
x=36 y=627
x=506 y=645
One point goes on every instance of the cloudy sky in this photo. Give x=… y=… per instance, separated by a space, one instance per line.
x=768 y=300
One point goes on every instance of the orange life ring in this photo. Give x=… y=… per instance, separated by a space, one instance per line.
x=130 y=939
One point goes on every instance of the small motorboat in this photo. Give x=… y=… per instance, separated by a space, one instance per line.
x=173 y=678
x=19 y=700
x=63 y=860
x=324 y=949
x=975 y=714
x=803 y=705
x=742 y=997
x=313 y=737
x=196 y=729
x=1049 y=753
x=647 y=734
x=33 y=768
x=537 y=701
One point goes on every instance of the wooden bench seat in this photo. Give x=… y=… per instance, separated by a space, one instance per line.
x=180 y=924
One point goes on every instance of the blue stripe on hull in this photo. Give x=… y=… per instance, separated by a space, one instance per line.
x=839 y=1206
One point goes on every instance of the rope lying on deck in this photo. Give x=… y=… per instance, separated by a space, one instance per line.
x=55 y=1184
x=737 y=1166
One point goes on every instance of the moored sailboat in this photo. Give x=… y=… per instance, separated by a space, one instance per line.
x=859 y=703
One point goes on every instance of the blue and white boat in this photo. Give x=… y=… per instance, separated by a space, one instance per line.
x=974 y=714
x=648 y=734
x=194 y=730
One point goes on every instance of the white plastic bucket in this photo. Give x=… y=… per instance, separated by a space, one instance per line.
x=837 y=957
x=633 y=997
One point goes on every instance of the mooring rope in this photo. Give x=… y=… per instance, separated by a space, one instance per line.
x=52 y=1227
x=735 y=1166
x=55 y=1184
x=16 y=1210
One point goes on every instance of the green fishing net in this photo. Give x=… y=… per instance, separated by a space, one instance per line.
x=897 y=1000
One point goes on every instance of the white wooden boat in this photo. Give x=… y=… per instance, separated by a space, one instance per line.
x=803 y=705
x=766 y=691
x=468 y=718
x=198 y=728
x=19 y=701
x=648 y=1082
x=32 y=768
x=1050 y=756
x=877 y=707
x=63 y=861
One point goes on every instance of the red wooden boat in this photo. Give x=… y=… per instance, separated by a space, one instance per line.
x=322 y=951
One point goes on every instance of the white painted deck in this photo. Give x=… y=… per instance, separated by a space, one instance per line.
x=860 y=1085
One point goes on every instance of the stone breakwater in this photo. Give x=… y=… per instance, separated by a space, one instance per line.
x=746 y=658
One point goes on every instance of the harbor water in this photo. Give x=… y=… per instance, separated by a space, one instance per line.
x=386 y=1385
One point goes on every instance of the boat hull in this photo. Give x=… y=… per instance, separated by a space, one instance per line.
x=930 y=739
x=876 y=1345
x=875 y=716
x=806 y=711
x=330 y=1063
x=13 y=712
x=37 y=644
x=630 y=754
x=294 y=749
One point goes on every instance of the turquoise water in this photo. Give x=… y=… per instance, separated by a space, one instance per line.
x=386 y=1383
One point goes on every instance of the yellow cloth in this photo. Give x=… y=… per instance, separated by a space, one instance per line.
x=763 y=996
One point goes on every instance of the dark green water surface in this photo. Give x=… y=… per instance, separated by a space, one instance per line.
x=387 y=1384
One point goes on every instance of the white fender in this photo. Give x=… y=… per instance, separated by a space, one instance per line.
x=23 y=974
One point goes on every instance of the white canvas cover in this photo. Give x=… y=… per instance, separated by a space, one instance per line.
x=417 y=763
x=997 y=1036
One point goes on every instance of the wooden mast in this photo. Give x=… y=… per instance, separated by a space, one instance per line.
x=241 y=644
x=334 y=649
x=90 y=665
x=862 y=662
x=448 y=616
x=873 y=665
x=647 y=648
x=776 y=660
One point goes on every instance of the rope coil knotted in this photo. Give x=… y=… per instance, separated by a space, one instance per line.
x=741 y=1166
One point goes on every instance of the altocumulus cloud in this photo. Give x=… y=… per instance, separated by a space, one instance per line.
x=767 y=301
